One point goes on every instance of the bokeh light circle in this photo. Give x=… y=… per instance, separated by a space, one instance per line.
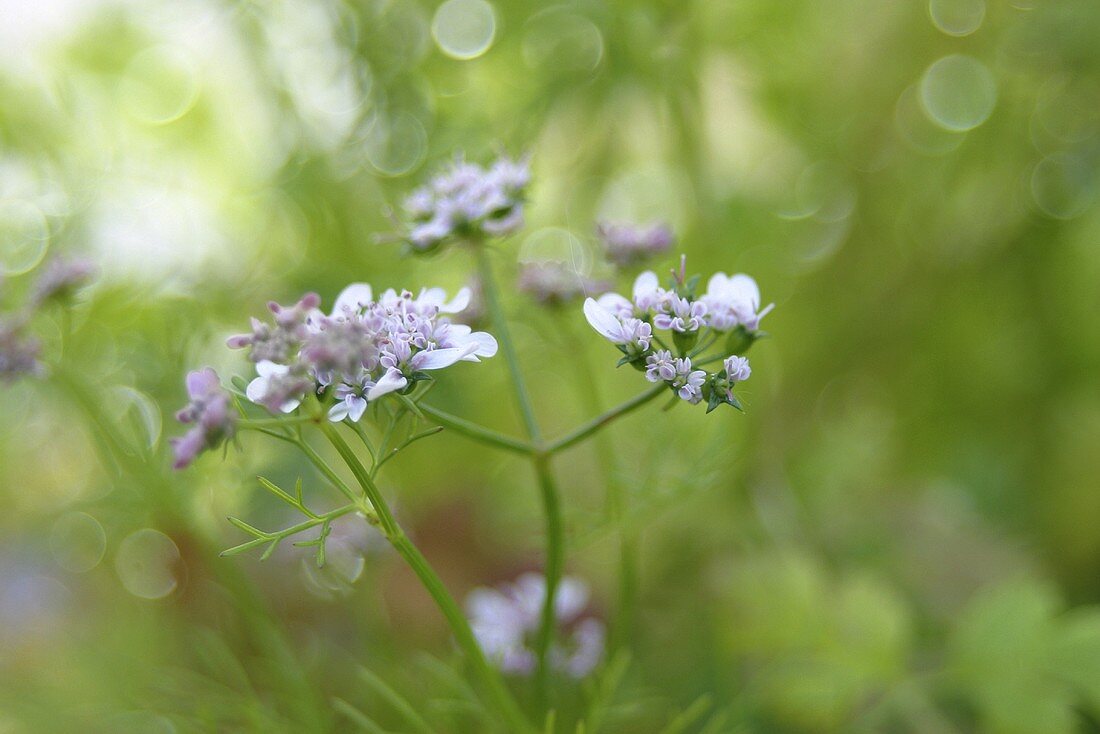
x=77 y=542
x=558 y=245
x=139 y=414
x=24 y=236
x=1064 y=186
x=918 y=131
x=957 y=17
x=958 y=92
x=146 y=564
x=558 y=40
x=160 y=84
x=395 y=145
x=464 y=29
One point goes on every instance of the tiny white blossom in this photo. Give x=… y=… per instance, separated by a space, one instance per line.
x=733 y=300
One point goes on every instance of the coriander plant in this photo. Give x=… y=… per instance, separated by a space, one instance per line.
x=360 y=375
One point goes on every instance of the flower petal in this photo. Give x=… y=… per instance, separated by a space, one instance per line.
x=256 y=389
x=437 y=359
x=338 y=412
x=264 y=368
x=743 y=288
x=602 y=320
x=354 y=297
x=458 y=303
x=356 y=407
x=646 y=283
x=391 y=381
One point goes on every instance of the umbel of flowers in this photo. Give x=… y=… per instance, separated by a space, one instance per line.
x=363 y=350
x=57 y=283
x=506 y=621
x=727 y=317
x=467 y=201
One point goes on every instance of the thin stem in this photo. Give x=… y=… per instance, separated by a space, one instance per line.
x=248 y=423
x=551 y=503
x=616 y=501
x=280 y=535
x=361 y=431
x=576 y=436
x=500 y=325
x=475 y=431
x=555 y=562
x=460 y=627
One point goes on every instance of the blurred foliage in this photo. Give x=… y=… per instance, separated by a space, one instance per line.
x=898 y=536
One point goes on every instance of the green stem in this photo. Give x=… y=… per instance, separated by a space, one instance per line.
x=551 y=503
x=507 y=347
x=555 y=563
x=475 y=431
x=280 y=535
x=616 y=501
x=576 y=436
x=460 y=627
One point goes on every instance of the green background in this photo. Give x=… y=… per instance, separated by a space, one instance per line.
x=899 y=535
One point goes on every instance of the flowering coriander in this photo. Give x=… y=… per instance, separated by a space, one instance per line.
x=210 y=413
x=467 y=201
x=365 y=349
x=506 y=620
x=694 y=324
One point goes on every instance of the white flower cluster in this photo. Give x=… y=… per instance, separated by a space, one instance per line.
x=467 y=200
x=363 y=350
x=730 y=304
x=506 y=620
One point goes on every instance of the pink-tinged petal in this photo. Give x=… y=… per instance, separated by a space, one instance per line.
x=744 y=288
x=338 y=412
x=354 y=297
x=437 y=359
x=264 y=368
x=602 y=320
x=718 y=285
x=202 y=382
x=391 y=381
x=356 y=407
x=646 y=283
x=486 y=343
x=188 y=447
x=615 y=303
x=256 y=389
x=432 y=297
x=458 y=303
x=459 y=331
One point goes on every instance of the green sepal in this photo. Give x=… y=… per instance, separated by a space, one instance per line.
x=714 y=401
x=740 y=339
x=685 y=340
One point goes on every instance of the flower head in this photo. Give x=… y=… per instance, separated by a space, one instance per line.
x=628 y=244
x=466 y=200
x=365 y=349
x=506 y=620
x=210 y=413
x=278 y=342
x=18 y=352
x=737 y=368
x=61 y=277
x=695 y=324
